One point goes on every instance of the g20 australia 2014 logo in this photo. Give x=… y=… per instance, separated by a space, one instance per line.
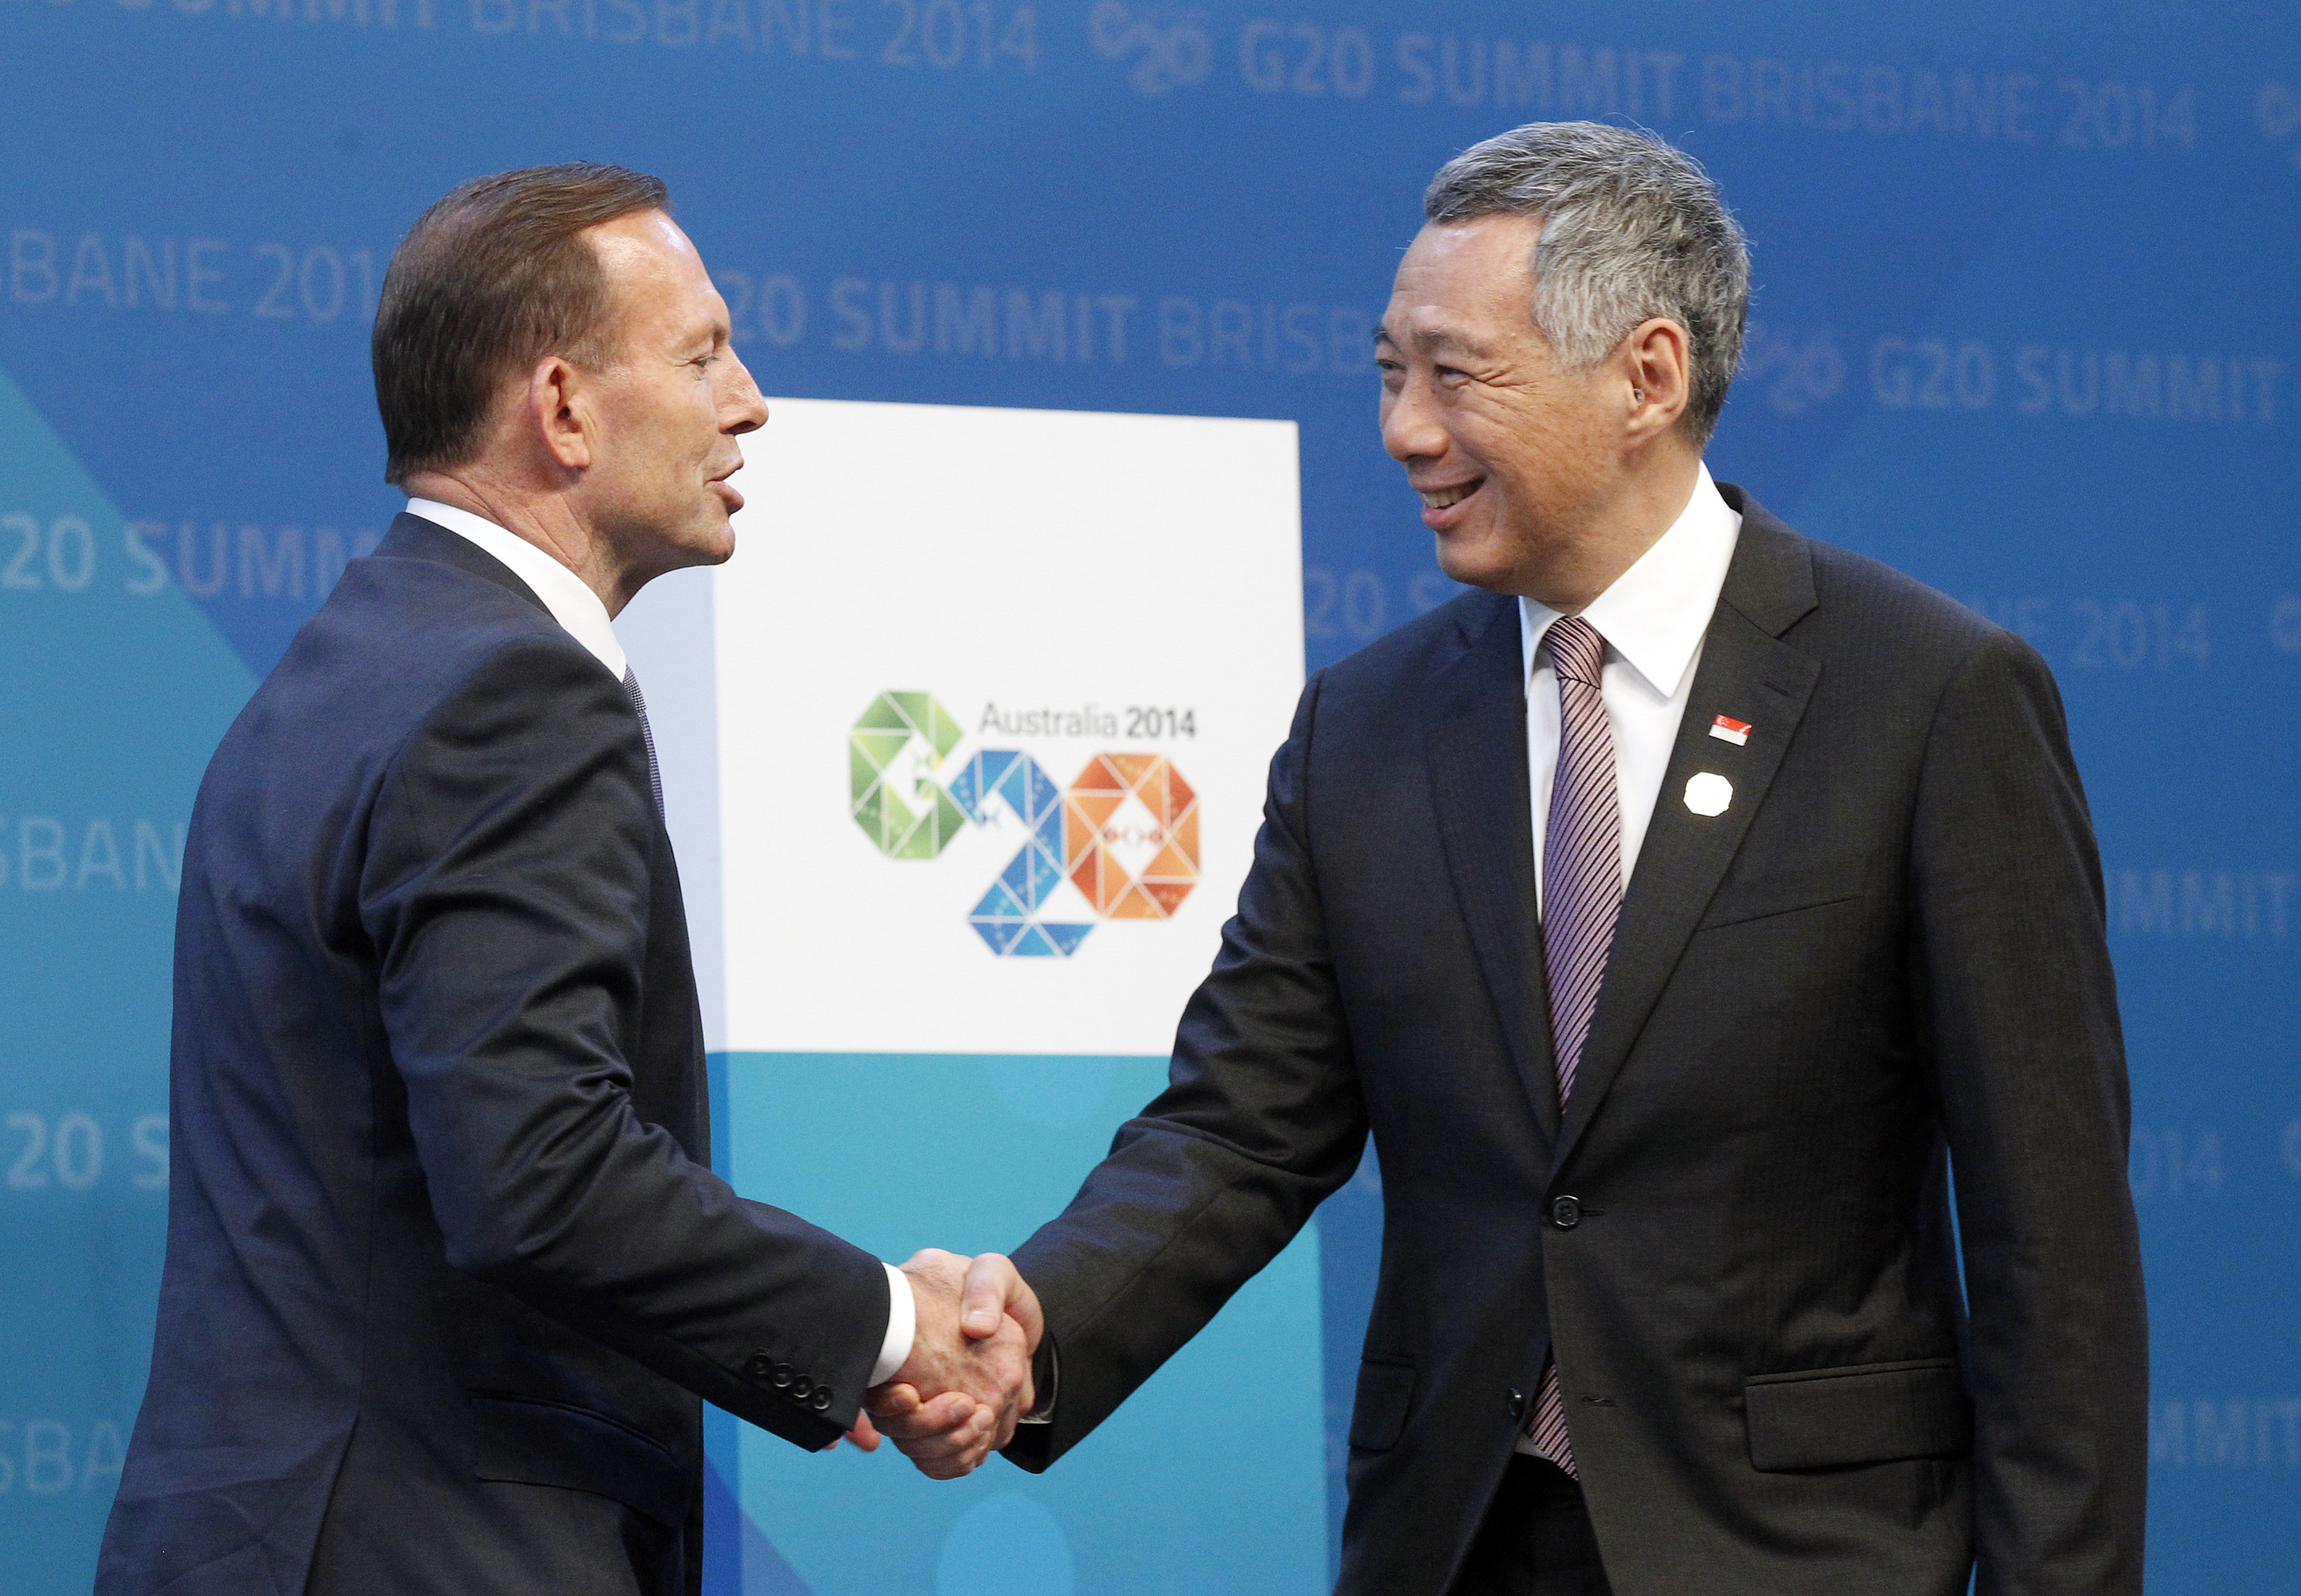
x=1124 y=832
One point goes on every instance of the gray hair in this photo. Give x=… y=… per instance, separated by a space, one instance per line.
x=1632 y=229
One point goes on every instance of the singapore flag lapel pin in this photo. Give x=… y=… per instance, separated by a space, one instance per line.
x=1727 y=729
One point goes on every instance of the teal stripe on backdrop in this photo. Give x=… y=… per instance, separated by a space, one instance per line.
x=1211 y=1480
x=116 y=689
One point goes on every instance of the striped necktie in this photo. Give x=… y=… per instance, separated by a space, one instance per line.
x=647 y=734
x=1581 y=898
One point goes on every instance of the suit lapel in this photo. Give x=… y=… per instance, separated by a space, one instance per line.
x=1746 y=673
x=1477 y=761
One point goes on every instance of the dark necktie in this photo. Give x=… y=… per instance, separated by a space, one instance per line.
x=1581 y=898
x=647 y=736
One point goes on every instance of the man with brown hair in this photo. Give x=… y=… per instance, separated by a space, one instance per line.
x=448 y=1269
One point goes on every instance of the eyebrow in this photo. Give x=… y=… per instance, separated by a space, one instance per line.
x=1438 y=340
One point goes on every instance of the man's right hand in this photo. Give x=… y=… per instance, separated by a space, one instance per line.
x=968 y=1378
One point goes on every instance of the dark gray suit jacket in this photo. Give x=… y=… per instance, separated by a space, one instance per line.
x=446 y=1267
x=1886 y=956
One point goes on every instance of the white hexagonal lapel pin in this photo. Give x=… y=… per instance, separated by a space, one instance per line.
x=1709 y=794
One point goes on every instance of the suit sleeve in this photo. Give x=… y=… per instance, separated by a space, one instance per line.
x=2014 y=983
x=1260 y=1121
x=505 y=890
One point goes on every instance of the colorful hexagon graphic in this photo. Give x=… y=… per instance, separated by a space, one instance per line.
x=1131 y=836
x=893 y=745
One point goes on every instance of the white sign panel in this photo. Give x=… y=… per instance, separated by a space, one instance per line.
x=994 y=694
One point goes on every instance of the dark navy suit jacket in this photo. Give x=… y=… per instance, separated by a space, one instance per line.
x=447 y=1267
x=1886 y=954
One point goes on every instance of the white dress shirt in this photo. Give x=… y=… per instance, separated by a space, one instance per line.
x=580 y=612
x=1653 y=619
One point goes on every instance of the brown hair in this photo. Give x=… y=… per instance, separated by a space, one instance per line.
x=489 y=281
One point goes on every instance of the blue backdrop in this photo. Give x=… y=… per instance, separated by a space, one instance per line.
x=2021 y=327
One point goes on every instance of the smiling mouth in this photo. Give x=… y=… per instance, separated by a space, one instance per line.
x=1439 y=498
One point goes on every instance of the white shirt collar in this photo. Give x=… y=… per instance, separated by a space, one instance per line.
x=573 y=605
x=1655 y=614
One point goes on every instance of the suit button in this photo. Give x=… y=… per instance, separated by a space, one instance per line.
x=780 y=1377
x=758 y=1366
x=821 y=1401
x=801 y=1388
x=1517 y=1403
x=1566 y=1213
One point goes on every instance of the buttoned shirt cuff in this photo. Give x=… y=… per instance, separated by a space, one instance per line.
x=902 y=1327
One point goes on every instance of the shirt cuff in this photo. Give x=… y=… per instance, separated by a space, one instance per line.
x=902 y=1327
x=1046 y=1375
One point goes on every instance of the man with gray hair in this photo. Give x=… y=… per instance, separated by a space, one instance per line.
x=1674 y=910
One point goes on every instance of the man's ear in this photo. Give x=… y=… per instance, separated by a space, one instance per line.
x=1657 y=372
x=559 y=412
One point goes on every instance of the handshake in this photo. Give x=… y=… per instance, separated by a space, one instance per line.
x=966 y=1384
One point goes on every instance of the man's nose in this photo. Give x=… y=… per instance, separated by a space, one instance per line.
x=1410 y=429
x=741 y=406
